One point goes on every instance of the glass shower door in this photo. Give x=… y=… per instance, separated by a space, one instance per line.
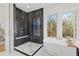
x=36 y=36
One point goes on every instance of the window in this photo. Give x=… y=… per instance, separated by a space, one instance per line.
x=52 y=26
x=68 y=24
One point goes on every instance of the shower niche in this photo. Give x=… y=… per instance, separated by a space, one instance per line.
x=28 y=31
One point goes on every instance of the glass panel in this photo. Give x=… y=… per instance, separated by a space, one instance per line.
x=51 y=30
x=21 y=32
x=36 y=30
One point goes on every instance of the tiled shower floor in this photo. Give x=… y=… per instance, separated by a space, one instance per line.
x=29 y=47
x=41 y=52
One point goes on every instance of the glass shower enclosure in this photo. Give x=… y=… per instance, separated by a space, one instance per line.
x=28 y=31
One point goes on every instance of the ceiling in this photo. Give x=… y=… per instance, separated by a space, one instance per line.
x=33 y=6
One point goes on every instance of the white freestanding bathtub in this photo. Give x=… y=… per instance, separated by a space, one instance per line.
x=58 y=48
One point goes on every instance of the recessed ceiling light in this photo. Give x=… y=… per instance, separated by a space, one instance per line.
x=28 y=6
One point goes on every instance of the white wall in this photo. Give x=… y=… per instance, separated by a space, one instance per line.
x=11 y=28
